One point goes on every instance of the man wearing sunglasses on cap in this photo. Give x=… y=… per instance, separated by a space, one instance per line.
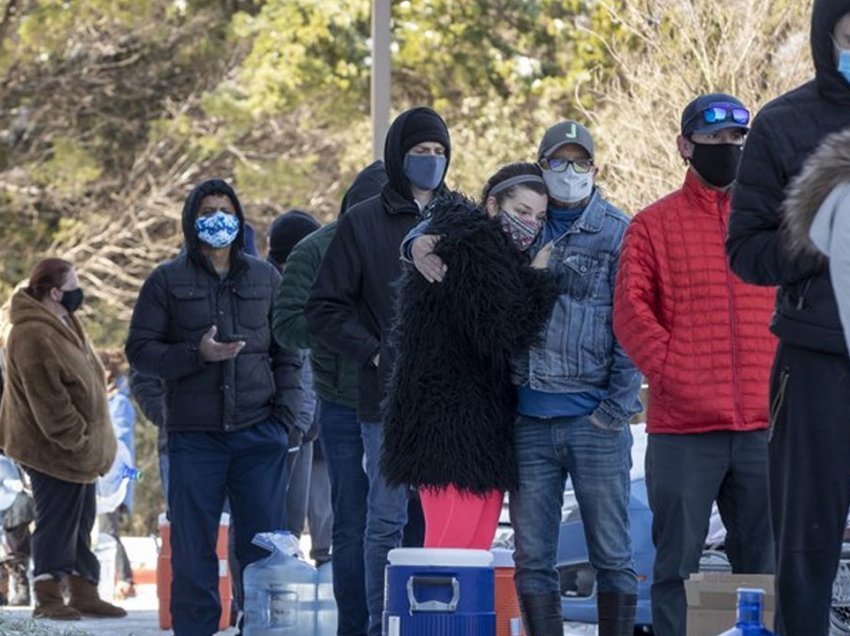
x=810 y=382
x=700 y=336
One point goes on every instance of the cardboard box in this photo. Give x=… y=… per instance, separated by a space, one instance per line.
x=713 y=599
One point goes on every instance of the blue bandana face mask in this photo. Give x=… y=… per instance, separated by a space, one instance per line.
x=425 y=171
x=218 y=229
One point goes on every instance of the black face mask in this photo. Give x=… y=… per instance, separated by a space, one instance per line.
x=72 y=299
x=717 y=163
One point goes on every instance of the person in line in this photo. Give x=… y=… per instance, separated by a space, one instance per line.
x=335 y=383
x=450 y=409
x=122 y=414
x=700 y=336
x=577 y=391
x=809 y=385
x=350 y=309
x=817 y=215
x=202 y=324
x=54 y=421
x=305 y=456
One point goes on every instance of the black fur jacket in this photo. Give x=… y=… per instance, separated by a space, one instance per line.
x=450 y=406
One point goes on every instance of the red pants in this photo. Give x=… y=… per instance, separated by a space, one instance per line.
x=455 y=519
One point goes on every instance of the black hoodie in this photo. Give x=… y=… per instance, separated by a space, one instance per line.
x=179 y=302
x=350 y=308
x=785 y=133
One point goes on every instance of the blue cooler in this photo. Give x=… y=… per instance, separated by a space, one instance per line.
x=439 y=592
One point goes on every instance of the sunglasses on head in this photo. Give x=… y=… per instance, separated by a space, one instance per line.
x=717 y=113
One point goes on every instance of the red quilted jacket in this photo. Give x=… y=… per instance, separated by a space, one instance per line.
x=697 y=332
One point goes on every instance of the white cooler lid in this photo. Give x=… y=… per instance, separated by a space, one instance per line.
x=441 y=557
x=503 y=558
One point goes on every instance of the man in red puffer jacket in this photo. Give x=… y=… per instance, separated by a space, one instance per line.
x=700 y=336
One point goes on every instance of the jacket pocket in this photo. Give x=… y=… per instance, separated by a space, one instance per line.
x=580 y=275
x=253 y=304
x=192 y=308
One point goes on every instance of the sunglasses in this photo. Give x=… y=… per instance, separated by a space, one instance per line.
x=581 y=166
x=717 y=113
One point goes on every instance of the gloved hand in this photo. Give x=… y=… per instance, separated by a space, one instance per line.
x=313 y=433
x=295 y=439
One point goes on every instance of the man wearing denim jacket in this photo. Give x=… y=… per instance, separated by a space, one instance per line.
x=577 y=391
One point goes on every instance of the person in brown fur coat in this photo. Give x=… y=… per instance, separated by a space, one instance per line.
x=54 y=421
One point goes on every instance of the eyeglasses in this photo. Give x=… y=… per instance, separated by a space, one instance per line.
x=581 y=166
x=716 y=113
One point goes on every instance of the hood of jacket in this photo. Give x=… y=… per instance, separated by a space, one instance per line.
x=25 y=308
x=825 y=14
x=399 y=133
x=827 y=168
x=190 y=208
x=367 y=184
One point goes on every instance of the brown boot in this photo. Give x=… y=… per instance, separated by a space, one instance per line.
x=85 y=599
x=49 y=602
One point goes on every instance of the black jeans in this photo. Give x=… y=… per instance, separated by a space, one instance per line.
x=684 y=475
x=809 y=482
x=64 y=517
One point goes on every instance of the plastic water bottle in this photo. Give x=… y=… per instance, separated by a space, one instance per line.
x=750 y=622
x=10 y=482
x=280 y=590
x=327 y=618
x=112 y=487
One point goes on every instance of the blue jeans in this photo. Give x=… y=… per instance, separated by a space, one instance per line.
x=386 y=517
x=245 y=466
x=342 y=443
x=598 y=462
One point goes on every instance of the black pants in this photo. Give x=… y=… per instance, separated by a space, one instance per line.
x=809 y=482
x=64 y=517
x=685 y=474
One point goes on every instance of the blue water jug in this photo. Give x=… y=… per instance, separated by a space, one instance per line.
x=327 y=618
x=750 y=622
x=112 y=487
x=280 y=590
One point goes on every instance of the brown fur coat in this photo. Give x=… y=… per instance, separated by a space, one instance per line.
x=54 y=416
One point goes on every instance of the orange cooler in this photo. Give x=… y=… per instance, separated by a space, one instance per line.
x=508 y=618
x=163 y=573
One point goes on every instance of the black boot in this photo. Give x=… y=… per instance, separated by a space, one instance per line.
x=541 y=614
x=616 y=613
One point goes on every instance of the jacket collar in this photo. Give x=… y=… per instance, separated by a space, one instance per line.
x=703 y=198
x=593 y=215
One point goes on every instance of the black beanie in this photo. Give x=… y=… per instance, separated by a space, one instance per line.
x=286 y=230
x=423 y=124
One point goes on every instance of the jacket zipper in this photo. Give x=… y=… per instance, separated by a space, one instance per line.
x=733 y=325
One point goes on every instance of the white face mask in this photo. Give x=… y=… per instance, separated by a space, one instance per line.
x=568 y=186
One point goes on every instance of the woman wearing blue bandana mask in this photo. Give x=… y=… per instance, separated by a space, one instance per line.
x=202 y=326
x=448 y=419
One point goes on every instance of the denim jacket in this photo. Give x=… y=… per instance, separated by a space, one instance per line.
x=578 y=351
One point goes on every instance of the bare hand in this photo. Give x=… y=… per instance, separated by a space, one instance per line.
x=541 y=261
x=425 y=261
x=212 y=350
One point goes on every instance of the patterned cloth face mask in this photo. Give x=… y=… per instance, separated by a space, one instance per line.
x=522 y=232
x=217 y=230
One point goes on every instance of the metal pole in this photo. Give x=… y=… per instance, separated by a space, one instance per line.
x=380 y=75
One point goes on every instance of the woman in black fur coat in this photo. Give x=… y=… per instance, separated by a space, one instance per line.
x=449 y=413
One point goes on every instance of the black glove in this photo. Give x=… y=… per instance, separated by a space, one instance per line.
x=296 y=439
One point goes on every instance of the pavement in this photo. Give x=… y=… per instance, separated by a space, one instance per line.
x=142 y=611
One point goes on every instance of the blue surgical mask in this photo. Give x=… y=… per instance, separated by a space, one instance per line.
x=844 y=63
x=425 y=171
x=219 y=229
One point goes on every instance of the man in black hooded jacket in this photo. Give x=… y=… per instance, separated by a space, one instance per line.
x=810 y=383
x=351 y=303
x=202 y=324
